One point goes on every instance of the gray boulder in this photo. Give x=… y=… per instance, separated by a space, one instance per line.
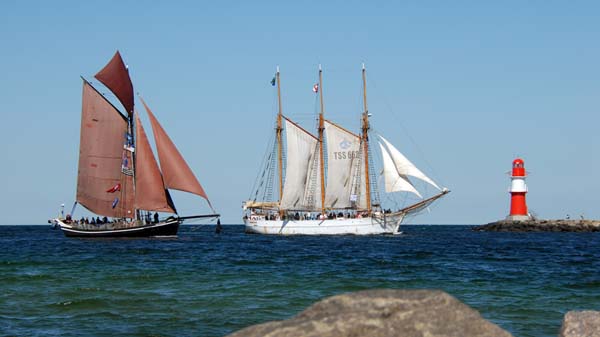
x=381 y=313
x=581 y=324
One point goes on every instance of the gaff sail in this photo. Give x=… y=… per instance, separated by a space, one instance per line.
x=102 y=158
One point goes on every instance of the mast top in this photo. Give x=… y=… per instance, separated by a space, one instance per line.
x=278 y=69
x=363 y=66
x=320 y=67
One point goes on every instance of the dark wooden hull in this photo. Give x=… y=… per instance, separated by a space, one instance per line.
x=167 y=228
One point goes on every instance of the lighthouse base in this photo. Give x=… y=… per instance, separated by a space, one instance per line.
x=518 y=218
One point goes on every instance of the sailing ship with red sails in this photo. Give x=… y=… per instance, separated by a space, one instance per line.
x=118 y=177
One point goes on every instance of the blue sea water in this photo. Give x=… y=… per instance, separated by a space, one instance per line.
x=204 y=284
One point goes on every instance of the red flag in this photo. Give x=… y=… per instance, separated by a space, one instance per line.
x=115 y=188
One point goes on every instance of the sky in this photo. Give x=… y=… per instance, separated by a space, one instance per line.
x=461 y=88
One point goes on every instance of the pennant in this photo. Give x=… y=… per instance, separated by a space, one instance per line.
x=114 y=204
x=316 y=88
x=273 y=81
x=113 y=189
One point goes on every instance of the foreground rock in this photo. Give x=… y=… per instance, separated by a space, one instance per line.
x=581 y=324
x=541 y=226
x=381 y=313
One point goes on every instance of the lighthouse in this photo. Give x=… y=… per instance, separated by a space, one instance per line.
x=518 y=189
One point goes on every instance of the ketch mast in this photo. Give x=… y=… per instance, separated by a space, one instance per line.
x=279 y=135
x=321 y=129
x=115 y=76
x=130 y=127
x=365 y=140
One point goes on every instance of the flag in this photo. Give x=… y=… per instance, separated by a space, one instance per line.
x=273 y=81
x=115 y=188
x=114 y=204
x=316 y=88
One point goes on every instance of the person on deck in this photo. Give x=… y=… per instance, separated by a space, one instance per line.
x=155 y=217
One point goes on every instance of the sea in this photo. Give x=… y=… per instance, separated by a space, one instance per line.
x=206 y=284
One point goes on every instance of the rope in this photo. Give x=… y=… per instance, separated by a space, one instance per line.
x=405 y=131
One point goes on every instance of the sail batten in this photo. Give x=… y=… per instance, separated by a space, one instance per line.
x=404 y=166
x=176 y=172
x=115 y=77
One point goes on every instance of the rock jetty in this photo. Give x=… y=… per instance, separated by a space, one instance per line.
x=581 y=324
x=382 y=313
x=393 y=313
x=538 y=225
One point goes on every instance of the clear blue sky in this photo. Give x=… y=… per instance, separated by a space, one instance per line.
x=460 y=87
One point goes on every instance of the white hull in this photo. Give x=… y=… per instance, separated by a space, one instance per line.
x=342 y=226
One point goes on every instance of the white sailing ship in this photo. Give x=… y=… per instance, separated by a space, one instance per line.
x=326 y=183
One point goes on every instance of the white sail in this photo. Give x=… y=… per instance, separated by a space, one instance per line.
x=404 y=166
x=394 y=181
x=301 y=147
x=342 y=153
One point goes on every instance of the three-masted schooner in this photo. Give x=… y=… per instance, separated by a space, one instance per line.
x=118 y=176
x=326 y=183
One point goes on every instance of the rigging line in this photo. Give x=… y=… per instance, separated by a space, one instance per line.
x=404 y=129
x=263 y=164
x=426 y=186
x=267 y=190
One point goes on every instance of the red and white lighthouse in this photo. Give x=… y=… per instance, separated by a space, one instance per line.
x=518 y=189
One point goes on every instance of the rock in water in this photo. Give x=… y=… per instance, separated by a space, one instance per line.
x=581 y=324
x=381 y=313
x=539 y=225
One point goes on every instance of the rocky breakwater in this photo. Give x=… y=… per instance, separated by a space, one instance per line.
x=538 y=225
x=398 y=313
x=581 y=324
x=382 y=313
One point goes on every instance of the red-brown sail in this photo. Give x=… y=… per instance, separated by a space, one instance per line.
x=101 y=157
x=150 y=193
x=176 y=173
x=115 y=77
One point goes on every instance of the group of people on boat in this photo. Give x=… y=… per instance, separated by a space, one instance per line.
x=147 y=219
x=306 y=215
x=85 y=220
